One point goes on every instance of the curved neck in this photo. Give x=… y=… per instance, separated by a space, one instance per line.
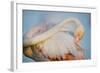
x=53 y=31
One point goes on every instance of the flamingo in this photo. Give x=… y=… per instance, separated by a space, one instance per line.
x=55 y=44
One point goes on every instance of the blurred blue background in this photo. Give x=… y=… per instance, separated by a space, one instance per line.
x=33 y=18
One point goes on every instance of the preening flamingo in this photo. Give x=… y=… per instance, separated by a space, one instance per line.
x=61 y=42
